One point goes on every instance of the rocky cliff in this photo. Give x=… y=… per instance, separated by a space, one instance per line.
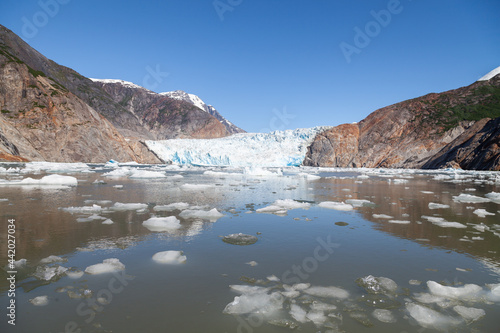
x=162 y=116
x=196 y=101
x=50 y=112
x=453 y=128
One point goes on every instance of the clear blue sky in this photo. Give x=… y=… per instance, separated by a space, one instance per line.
x=269 y=64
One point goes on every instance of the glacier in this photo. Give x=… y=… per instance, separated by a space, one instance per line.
x=274 y=149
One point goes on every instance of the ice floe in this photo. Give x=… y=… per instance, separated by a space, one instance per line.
x=493 y=196
x=83 y=210
x=429 y=318
x=433 y=205
x=469 y=314
x=107 y=266
x=159 y=224
x=328 y=292
x=40 y=300
x=382 y=216
x=376 y=285
x=52 y=180
x=47 y=273
x=441 y=222
x=52 y=259
x=281 y=207
x=336 y=205
x=359 y=202
x=118 y=206
x=211 y=215
x=383 y=315
x=482 y=212
x=469 y=198
x=169 y=257
x=171 y=207
x=399 y=221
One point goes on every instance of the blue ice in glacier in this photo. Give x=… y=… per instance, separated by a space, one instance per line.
x=275 y=149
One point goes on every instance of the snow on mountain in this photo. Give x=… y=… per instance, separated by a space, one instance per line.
x=198 y=102
x=275 y=149
x=125 y=83
x=491 y=74
x=184 y=96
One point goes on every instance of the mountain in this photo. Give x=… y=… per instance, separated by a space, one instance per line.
x=162 y=116
x=51 y=112
x=456 y=128
x=196 y=101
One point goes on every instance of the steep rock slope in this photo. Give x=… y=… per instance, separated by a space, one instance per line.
x=196 y=101
x=411 y=133
x=162 y=116
x=42 y=120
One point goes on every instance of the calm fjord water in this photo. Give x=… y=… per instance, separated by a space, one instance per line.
x=375 y=255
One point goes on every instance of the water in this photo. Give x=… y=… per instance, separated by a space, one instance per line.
x=383 y=236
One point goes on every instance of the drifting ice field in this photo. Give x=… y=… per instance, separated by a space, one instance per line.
x=169 y=248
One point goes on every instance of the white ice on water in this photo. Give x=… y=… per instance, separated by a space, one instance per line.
x=211 y=215
x=275 y=149
x=160 y=224
x=170 y=257
x=469 y=198
x=482 y=212
x=45 y=180
x=433 y=205
x=40 y=300
x=171 y=207
x=336 y=205
x=441 y=222
x=282 y=206
x=118 y=206
x=107 y=266
x=52 y=259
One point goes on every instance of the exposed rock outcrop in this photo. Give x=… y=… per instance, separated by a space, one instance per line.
x=431 y=131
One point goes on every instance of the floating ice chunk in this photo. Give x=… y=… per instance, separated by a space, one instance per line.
x=170 y=257
x=211 y=215
x=83 y=210
x=107 y=266
x=429 y=318
x=384 y=316
x=482 y=212
x=441 y=222
x=240 y=239
x=20 y=262
x=118 y=206
x=195 y=187
x=107 y=221
x=336 y=205
x=301 y=286
x=382 y=216
x=469 y=198
x=493 y=196
x=245 y=289
x=91 y=218
x=317 y=317
x=257 y=171
x=252 y=263
x=399 y=221
x=159 y=224
x=363 y=177
x=427 y=192
x=320 y=306
x=3 y=199
x=284 y=205
x=469 y=314
x=262 y=303
x=466 y=292
x=171 y=207
x=52 y=259
x=49 y=273
x=359 y=202
x=433 y=205
x=40 y=300
x=74 y=274
x=146 y=174
x=329 y=292
x=46 y=180
x=52 y=167
x=118 y=172
x=377 y=285
x=298 y=313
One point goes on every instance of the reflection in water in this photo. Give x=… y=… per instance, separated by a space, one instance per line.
x=362 y=268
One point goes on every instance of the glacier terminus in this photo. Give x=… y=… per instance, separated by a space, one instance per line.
x=275 y=149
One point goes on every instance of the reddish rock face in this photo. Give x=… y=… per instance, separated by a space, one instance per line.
x=431 y=132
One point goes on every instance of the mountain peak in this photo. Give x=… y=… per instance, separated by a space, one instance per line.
x=124 y=83
x=491 y=74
